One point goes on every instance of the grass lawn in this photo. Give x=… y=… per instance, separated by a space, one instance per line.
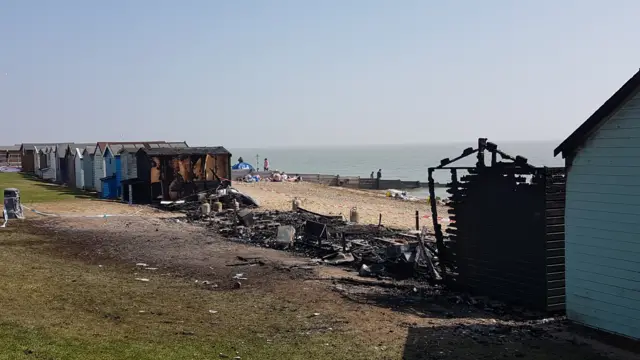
x=35 y=191
x=55 y=307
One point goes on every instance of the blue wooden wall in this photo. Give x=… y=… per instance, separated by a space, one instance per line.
x=603 y=227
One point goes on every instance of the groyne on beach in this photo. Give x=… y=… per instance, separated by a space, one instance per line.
x=353 y=182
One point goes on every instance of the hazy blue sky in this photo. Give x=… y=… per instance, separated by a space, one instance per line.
x=300 y=72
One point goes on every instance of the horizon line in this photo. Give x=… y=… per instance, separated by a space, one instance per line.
x=455 y=142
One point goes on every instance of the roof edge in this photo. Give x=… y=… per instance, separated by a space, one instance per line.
x=612 y=104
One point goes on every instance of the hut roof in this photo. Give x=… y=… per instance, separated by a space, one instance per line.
x=618 y=99
x=90 y=150
x=214 y=150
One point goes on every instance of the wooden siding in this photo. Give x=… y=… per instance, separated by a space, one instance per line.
x=603 y=226
x=79 y=168
x=87 y=165
x=70 y=177
x=49 y=173
x=28 y=159
x=129 y=165
x=518 y=258
x=57 y=164
x=98 y=170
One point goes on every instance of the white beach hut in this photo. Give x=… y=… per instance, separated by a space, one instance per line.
x=79 y=167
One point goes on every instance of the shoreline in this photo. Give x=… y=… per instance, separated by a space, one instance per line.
x=357 y=182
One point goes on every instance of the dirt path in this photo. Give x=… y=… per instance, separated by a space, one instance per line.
x=400 y=322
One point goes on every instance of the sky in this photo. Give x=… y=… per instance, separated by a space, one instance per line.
x=265 y=73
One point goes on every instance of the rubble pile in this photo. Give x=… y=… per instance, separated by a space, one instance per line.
x=375 y=251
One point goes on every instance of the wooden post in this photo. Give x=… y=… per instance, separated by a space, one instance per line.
x=482 y=145
x=436 y=227
x=417 y=220
x=380 y=220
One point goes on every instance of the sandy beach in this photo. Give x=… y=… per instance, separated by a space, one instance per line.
x=335 y=200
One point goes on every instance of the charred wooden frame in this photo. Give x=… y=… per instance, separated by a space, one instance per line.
x=506 y=238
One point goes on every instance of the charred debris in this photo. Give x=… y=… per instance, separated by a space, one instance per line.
x=374 y=250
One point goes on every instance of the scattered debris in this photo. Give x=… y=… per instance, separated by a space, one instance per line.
x=338 y=258
x=285 y=236
x=213 y=312
x=384 y=252
x=142 y=279
x=239 y=276
x=142 y=264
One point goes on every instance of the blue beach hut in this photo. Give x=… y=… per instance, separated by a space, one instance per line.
x=602 y=217
x=111 y=181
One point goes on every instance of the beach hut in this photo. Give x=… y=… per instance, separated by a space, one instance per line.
x=72 y=160
x=602 y=227
x=87 y=166
x=46 y=164
x=61 y=163
x=98 y=168
x=53 y=163
x=110 y=183
x=40 y=161
x=30 y=156
x=128 y=155
x=172 y=173
x=128 y=163
x=78 y=165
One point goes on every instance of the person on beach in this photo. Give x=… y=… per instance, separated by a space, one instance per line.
x=372 y=175
x=378 y=177
x=266 y=164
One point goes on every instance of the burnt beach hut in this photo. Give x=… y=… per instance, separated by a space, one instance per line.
x=173 y=173
x=129 y=160
x=602 y=218
x=516 y=257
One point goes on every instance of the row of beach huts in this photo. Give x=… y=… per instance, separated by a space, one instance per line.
x=136 y=172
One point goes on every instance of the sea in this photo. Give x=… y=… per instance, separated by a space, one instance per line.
x=404 y=162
